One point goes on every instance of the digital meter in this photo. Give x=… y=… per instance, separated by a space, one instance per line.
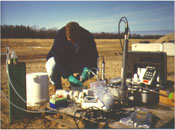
x=92 y=101
x=149 y=75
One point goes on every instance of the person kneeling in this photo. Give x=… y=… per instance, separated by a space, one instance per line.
x=73 y=51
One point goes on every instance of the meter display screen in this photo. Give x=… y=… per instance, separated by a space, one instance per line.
x=149 y=75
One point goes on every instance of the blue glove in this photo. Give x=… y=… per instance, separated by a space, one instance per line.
x=75 y=81
x=84 y=75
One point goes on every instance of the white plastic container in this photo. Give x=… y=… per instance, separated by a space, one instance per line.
x=37 y=88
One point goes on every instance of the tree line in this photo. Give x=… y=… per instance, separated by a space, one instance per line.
x=10 y=31
x=20 y=31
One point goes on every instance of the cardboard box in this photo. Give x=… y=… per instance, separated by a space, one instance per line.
x=167 y=100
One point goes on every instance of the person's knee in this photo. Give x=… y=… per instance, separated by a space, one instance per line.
x=50 y=66
x=52 y=72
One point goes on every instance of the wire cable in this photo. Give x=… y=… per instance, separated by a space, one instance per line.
x=25 y=109
x=90 y=71
x=92 y=113
x=123 y=19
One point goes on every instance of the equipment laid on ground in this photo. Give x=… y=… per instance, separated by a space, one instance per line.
x=92 y=102
x=142 y=74
x=149 y=75
x=140 y=118
x=146 y=76
x=58 y=102
x=97 y=96
x=143 y=59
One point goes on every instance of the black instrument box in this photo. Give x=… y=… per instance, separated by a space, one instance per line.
x=139 y=59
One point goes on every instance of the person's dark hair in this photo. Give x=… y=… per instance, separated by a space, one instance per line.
x=72 y=30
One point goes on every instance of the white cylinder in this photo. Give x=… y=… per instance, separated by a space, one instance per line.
x=37 y=88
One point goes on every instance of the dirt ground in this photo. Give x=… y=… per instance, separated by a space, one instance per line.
x=33 y=53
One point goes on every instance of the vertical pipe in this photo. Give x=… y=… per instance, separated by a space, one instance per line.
x=124 y=63
x=123 y=88
x=103 y=70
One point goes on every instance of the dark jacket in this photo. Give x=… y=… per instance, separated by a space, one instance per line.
x=70 y=57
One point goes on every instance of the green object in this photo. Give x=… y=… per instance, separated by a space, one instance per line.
x=84 y=75
x=170 y=96
x=54 y=100
x=17 y=81
x=74 y=81
x=14 y=60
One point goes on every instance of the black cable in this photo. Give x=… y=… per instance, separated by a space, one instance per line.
x=81 y=117
x=142 y=86
x=123 y=19
x=91 y=113
x=121 y=44
x=94 y=113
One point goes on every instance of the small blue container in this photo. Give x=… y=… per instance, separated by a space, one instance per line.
x=58 y=103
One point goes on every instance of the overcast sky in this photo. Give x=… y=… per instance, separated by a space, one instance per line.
x=99 y=16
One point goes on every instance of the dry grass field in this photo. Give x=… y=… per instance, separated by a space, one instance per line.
x=33 y=53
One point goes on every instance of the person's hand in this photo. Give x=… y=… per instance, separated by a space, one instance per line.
x=84 y=75
x=75 y=81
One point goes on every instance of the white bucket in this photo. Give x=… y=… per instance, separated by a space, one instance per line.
x=37 y=88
